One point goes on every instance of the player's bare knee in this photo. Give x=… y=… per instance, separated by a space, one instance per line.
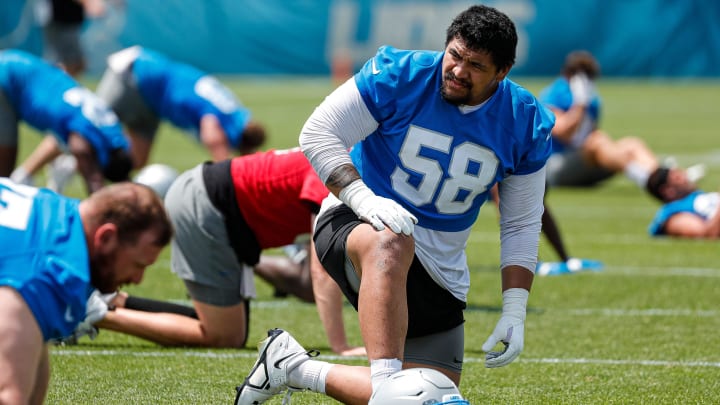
x=367 y=242
x=396 y=252
x=632 y=143
x=12 y=395
x=396 y=245
x=233 y=341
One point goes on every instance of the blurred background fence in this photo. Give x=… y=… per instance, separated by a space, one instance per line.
x=630 y=38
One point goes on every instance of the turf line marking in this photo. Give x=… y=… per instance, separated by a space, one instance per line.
x=244 y=355
x=665 y=271
x=614 y=239
x=657 y=271
x=661 y=363
x=640 y=312
x=711 y=158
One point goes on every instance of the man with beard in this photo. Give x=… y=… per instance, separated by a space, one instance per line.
x=224 y=215
x=55 y=252
x=431 y=133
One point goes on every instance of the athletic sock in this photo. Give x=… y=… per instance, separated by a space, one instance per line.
x=21 y=176
x=637 y=174
x=381 y=369
x=310 y=375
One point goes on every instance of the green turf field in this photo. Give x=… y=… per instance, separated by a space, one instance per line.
x=643 y=330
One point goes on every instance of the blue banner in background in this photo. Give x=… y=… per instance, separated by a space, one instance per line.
x=641 y=38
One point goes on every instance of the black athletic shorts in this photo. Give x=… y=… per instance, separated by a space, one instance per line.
x=431 y=308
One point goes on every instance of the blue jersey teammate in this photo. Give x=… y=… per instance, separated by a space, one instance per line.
x=431 y=133
x=687 y=211
x=48 y=99
x=144 y=86
x=584 y=154
x=55 y=251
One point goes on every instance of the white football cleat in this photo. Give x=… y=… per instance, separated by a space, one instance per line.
x=296 y=252
x=280 y=353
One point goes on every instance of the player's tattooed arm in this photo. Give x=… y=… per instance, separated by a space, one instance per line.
x=341 y=177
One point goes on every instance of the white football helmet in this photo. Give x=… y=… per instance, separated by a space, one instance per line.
x=158 y=177
x=422 y=386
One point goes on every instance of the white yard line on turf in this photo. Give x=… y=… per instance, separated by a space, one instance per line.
x=665 y=271
x=608 y=239
x=244 y=355
x=639 y=312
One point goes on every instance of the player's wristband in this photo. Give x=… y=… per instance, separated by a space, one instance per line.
x=354 y=194
x=515 y=302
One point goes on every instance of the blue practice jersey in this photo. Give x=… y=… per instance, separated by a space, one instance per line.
x=704 y=205
x=183 y=94
x=440 y=162
x=48 y=99
x=44 y=255
x=558 y=96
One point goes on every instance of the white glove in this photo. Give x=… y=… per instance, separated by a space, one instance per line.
x=509 y=330
x=95 y=310
x=83 y=329
x=376 y=210
x=97 y=307
x=582 y=89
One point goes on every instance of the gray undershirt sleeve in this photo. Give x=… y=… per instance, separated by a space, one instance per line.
x=338 y=123
x=521 y=207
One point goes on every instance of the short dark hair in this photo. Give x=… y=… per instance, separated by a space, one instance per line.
x=252 y=137
x=657 y=179
x=581 y=62
x=119 y=166
x=484 y=28
x=133 y=208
